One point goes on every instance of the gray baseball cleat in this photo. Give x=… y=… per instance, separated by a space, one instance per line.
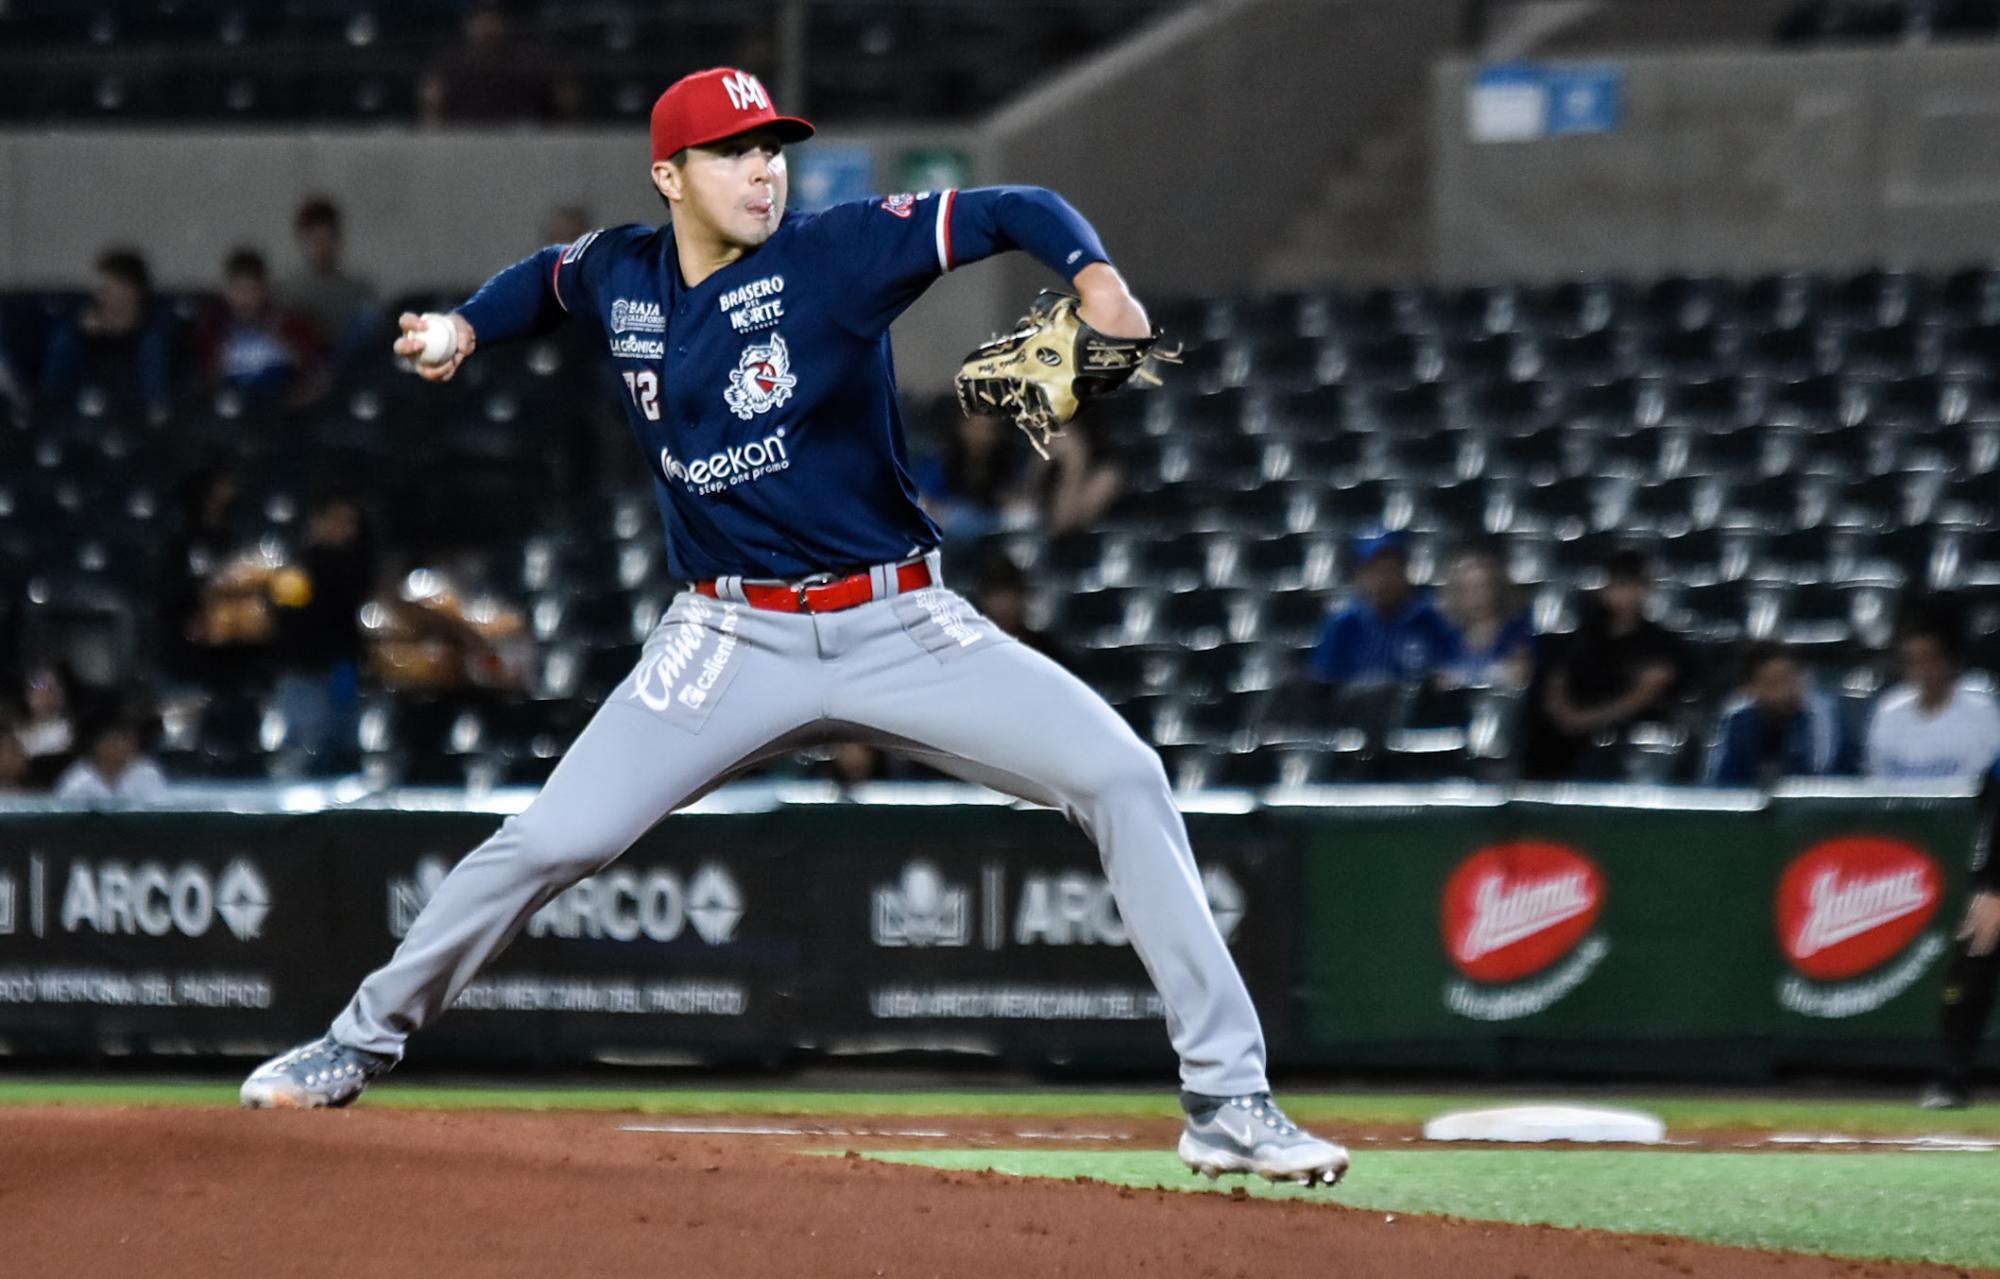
x=1250 y=1134
x=314 y=1075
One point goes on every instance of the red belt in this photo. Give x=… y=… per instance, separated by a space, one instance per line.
x=823 y=597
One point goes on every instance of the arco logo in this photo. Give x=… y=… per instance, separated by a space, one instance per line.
x=1847 y=905
x=1510 y=910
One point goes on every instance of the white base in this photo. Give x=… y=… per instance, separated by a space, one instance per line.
x=1547 y=1123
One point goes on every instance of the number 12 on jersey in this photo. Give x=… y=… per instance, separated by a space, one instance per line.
x=645 y=388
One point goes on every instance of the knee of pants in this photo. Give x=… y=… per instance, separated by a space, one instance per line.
x=1130 y=773
x=556 y=851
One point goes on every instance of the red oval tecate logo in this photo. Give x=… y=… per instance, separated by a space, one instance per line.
x=1513 y=909
x=1848 y=904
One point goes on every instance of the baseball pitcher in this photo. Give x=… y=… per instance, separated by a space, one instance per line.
x=753 y=344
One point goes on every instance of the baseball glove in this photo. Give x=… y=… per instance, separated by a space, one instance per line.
x=1050 y=366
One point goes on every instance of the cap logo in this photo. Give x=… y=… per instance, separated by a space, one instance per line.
x=746 y=92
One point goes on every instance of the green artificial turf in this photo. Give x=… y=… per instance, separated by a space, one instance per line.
x=1929 y=1206
x=1682 y=1114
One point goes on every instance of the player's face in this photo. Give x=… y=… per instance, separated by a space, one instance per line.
x=736 y=188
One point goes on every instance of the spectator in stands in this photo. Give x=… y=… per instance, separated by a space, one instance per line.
x=1937 y=723
x=977 y=483
x=15 y=776
x=11 y=397
x=1495 y=637
x=318 y=645
x=566 y=224
x=254 y=345
x=1001 y=593
x=196 y=552
x=122 y=342
x=1777 y=725
x=1081 y=482
x=47 y=730
x=1389 y=633
x=340 y=307
x=486 y=78
x=113 y=765
x=1617 y=669
x=853 y=763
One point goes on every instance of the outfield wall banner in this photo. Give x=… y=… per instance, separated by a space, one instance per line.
x=121 y=936
x=1795 y=932
x=685 y=948
x=1697 y=937
x=1003 y=937
x=715 y=938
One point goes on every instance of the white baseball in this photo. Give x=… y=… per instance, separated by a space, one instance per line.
x=440 y=340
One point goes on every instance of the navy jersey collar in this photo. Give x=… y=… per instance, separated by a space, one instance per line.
x=672 y=259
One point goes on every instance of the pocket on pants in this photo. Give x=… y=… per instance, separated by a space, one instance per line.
x=688 y=662
x=944 y=624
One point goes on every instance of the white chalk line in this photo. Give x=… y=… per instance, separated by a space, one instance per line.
x=1980 y=1145
x=691 y=1129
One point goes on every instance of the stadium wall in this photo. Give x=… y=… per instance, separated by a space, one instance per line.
x=1734 y=161
x=1195 y=145
x=1618 y=931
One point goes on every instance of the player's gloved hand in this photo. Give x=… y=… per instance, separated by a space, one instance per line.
x=1051 y=365
x=410 y=346
x=1981 y=929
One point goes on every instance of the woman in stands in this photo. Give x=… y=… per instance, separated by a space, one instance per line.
x=1496 y=635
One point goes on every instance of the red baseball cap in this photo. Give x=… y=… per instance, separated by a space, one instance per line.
x=718 y=103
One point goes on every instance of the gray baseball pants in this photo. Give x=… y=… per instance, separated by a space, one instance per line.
x=721 y=686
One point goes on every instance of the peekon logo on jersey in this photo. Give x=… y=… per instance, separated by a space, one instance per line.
x=726 y=468
x=763 y=379
x=628 y=316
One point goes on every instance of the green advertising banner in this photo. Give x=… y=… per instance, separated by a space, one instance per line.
x=1864 y=898
x=1730 y=941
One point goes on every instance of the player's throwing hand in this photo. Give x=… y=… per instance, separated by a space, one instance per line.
x=415 y=344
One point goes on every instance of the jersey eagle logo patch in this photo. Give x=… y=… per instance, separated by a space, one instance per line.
x=763 y=379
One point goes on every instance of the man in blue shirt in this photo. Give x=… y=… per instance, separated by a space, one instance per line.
x=1390 y=633
x=754 y=345
x=1778 y=725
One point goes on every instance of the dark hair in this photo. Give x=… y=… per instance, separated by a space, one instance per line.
x=118 y=711
x=328 y=496
x=128 y=265
x=1939 y=616
x=245 y=261
x=1760 y=653
x=999 y=572
x=317 y=211
x=194 y=488
x=678 y=159
x=1627 y=564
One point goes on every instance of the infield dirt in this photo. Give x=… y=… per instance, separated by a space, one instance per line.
x=167 y=1193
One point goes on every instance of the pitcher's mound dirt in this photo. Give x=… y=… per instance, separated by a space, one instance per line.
x=167 y=1193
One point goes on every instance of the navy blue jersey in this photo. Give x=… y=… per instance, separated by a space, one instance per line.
x=764 y=397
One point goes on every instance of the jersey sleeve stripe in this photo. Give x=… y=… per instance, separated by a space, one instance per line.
x=555 y=282
x=944 y=229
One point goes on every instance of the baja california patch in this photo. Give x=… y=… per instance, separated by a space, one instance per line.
x=763 y=379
